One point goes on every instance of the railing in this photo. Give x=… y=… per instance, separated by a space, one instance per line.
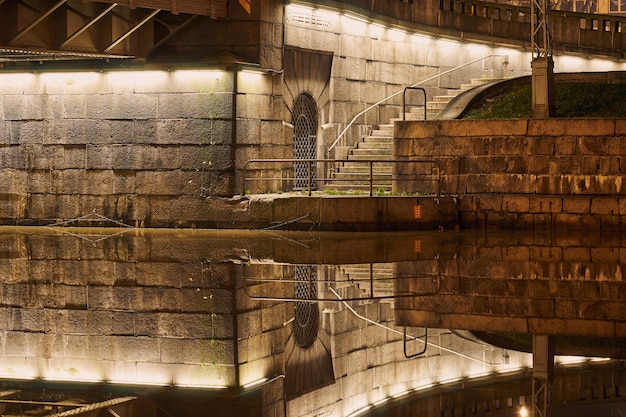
x=415 y=105
x=378 y=103
x=423 y=174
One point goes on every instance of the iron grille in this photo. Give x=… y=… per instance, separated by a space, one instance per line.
x=306 y=314
x=304 y=121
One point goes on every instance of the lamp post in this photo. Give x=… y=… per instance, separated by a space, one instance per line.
x=542 y=64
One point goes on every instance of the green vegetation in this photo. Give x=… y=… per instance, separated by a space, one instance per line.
x=571 y=100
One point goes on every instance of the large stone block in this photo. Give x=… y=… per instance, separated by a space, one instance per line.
x=199 y=105
x=24 y=107
x=123 y=106
x=190 y=132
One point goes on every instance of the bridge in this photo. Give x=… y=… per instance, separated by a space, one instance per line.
x=181 y=33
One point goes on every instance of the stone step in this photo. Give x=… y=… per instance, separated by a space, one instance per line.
x=445 y=99
x=356 y=187
x=360 y=157
x=375 y=144
x=414 y=116
x=378 y=145
x=363 y=176
x=371 y=149
x=379 y=139
x=440 y=105
x=352 y=166
x=378 y=277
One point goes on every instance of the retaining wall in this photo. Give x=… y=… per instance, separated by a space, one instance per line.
x=526 y=174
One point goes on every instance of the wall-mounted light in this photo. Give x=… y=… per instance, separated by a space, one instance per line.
x=255 y=383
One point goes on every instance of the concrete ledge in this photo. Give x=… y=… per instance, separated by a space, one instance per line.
x=349 y=213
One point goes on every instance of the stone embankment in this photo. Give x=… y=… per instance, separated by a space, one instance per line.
x=525 y=174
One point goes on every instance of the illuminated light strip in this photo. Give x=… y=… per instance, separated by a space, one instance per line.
x=136 y=383
x=255 y=383
x=200 y=386
x=78 y=380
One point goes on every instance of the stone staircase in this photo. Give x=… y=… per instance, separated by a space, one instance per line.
x=354 y=175
x=438 y=103
x=378 y=145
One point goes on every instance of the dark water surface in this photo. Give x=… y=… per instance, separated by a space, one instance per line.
x=327 y=323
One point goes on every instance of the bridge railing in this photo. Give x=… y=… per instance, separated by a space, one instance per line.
x=277 y=175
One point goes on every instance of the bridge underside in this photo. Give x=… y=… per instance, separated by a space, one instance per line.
x=33 y=32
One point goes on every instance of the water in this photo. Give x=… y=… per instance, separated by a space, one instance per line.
x=332 y=323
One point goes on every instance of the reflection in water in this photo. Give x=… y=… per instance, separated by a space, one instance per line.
x=333 y=324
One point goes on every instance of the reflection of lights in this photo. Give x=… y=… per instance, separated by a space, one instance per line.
x=479 y=375
x=381 y=401
x=523 y=412
x=360 y=411
x=509 y=370
x=424 y=387
x=254 y=383
x=570 y=359
x=451 y=380
x=401 y=394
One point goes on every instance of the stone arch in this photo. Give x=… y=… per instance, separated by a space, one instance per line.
x=306 y=92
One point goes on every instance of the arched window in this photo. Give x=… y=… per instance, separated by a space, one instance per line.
x=304 y=121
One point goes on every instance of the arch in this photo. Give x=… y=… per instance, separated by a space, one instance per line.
x=304 y=119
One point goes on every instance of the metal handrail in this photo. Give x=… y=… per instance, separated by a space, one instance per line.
x=378 y=103
x=404 y=100
x=310 y=170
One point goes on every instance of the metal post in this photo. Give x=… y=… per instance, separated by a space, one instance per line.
x=543 y=371
x=542 y=64
x=371 y=178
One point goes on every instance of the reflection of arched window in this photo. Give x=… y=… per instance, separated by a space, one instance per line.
x=304 y=121
x=306 y=320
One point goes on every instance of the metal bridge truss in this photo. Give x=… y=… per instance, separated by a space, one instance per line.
x=35 y=31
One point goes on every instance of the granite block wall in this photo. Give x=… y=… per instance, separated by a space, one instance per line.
x=526 y=174
x=143 y=148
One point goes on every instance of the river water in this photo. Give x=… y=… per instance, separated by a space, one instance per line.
x=334 y=322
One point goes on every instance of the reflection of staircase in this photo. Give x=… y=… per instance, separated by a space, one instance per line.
x=359 y=280
x=378 y=145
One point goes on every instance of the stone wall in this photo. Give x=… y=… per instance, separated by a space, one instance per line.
x=145 y=148
x=526 y=174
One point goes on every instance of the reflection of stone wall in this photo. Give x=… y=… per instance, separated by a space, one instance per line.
x=526 y=173
x=565 y=286
x=154 y=309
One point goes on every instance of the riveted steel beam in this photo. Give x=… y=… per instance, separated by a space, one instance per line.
x=88 y=25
